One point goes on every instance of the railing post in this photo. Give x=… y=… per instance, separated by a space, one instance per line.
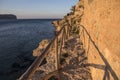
x=68 y=31
x=61 y=43
x=63 y=35
x=84 y=38
x=56 y=54
x=80 y=36
x=65 y=32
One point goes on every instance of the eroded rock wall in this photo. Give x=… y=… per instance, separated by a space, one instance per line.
x=102 y=20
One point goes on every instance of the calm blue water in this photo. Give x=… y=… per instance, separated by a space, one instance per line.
x=20 y=37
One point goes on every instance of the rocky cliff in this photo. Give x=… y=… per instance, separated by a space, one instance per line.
x=7 y=16
x=102 y=21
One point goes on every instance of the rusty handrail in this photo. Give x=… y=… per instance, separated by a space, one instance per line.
x=31 y=70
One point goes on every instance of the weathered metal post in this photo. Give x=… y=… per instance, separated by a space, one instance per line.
x=68 y=31
x=81 y=35
x=84 y=39
x=56 y=54
x=63 y=41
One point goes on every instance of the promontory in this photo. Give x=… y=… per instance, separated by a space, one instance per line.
x=8 y=16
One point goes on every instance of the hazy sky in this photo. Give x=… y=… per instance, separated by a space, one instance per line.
x=36 y=8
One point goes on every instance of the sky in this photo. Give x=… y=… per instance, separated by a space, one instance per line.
x=25 y=9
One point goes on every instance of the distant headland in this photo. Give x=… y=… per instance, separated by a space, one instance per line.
x=8 y=17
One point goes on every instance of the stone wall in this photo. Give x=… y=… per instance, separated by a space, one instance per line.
x=102 y=20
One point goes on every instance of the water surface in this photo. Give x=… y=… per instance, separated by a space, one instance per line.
x=20 y=37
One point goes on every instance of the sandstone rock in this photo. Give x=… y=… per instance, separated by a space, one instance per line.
x=102 y=21
x=42 y=45
x=58 y=24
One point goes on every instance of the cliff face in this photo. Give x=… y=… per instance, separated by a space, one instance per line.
x=102 y=20
x=7 y=16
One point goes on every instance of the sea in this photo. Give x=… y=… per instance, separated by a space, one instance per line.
x=18 y=39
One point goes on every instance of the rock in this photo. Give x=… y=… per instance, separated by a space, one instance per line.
x=57 y=26
x=42 y=45
x=7 y=16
